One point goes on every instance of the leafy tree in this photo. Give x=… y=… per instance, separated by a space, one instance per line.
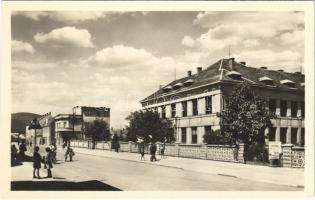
x=245 y=116
x=144 y=123
x=98 y=130
x=215 y=137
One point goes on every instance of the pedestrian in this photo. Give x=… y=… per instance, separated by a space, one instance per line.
x=48 y=162
x=142 y=152
x=22 y=149
x=70 y=153
x=162 y=150
x=14 y=153
x=152 y=152
x=36 y=162
x=54 y=154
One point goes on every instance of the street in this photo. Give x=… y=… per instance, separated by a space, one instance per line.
x=131 y=175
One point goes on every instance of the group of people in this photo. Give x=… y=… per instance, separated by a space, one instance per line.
x=153 y=149
x=47 y=160
x=15 y=153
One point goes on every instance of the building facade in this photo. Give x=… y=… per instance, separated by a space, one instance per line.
x=71 y=126
x=47 y=123
x=194 y=103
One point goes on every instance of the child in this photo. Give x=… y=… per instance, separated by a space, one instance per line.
x=36 y=162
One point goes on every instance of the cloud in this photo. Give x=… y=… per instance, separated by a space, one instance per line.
x=267 y=34
x=67 y=16
x=32 y=66
x=288 y=60
x=66 y=36
x=188 y=41
x=20 y=46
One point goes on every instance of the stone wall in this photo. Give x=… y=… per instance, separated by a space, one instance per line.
x=293 y=156
x=206 y=152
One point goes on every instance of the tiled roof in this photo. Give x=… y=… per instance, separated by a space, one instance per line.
x=218 y=72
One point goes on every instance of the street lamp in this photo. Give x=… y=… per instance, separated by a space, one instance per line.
x=34 y=125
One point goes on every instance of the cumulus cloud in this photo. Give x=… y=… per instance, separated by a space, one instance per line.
x=288 y=60
x=20 y=46
x=266 y=34
x=31 y=66
x=67 y=16
x=66 y=36
x=188 y=41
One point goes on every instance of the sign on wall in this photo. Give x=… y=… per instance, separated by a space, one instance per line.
x=274 y=149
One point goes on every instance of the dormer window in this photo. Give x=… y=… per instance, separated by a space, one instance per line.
x=234 y=75
x=167 y=88
x=188 y=82
x=266 y=80
x=178 y=85
x=288 y=83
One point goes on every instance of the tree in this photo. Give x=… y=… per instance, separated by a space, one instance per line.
x=144 y=123
x=98 y=130
x=245 y=116
x=215 y=137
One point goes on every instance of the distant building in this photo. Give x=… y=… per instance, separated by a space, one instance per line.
x=30 y=134
x=193 y=103
x=47 y=122
x=71 y=126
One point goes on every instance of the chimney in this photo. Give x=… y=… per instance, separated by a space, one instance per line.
x=199 y=69
x=231 y=63
x=280 y=70
x=263 y=67
x=189 y=73
x=243 y=63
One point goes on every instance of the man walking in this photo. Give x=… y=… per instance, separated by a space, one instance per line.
x=152 y=152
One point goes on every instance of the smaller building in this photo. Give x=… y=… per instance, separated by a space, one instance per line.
x=71 y=126
x=30 y=134
x=47 y=122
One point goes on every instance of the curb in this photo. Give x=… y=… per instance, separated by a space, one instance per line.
x=147 y=163
x=187 y=169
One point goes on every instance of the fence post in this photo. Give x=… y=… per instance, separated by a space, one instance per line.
x=204 y=151
x=130 y=146
x=287 y=155
x=241 y=153
x=177 y=147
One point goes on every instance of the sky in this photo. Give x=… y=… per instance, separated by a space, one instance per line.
x=115 y=59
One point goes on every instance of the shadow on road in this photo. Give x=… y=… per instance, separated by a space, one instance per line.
x=19 y=159
x=92 y=185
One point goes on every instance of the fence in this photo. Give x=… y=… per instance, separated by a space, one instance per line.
x=292 y=156
x=206 y=152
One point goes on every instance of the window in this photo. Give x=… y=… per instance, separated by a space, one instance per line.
x=272 y=134
x=195 y=106
x=303 y=109
x=64 y=124
x=209 y=105
x=163 y=112
x=283 y=135
x=184 y=135
x=194 y=135
x=208 y=131
x=294 y=135
x=173 y=108
x=294 y=108
x=283 y=108
x=184 y=106
x=155 y=109
x=272 y=105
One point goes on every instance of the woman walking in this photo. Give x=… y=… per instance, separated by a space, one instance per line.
x=36 y=162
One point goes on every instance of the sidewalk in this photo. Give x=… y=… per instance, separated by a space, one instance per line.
x=281 y=176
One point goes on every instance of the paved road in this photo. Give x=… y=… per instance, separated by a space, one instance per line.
x=129 y=175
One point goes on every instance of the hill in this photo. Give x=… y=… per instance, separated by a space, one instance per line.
x=20 y=120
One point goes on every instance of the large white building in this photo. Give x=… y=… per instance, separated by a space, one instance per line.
x=193 y=103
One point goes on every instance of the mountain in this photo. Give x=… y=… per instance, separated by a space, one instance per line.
x=19 y=121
